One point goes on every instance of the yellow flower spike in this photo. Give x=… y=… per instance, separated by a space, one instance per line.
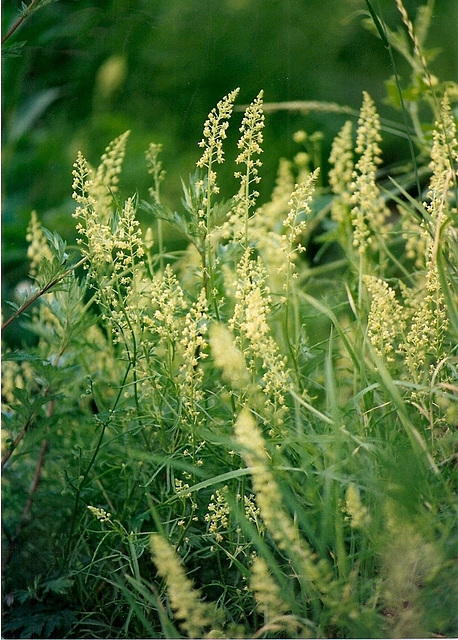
x=228 y=357
x=369 y=213
x=193 y=615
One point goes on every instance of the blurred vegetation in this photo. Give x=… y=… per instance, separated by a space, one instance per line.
x=83 y=72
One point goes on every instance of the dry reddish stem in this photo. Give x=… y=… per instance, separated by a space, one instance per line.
x=19 y=21
x=32 y=492
x=28 y=506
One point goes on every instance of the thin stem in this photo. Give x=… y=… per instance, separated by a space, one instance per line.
x=380 y=26
x=42 y=291
x=161 y=244
x=247 y=202
x=7 y=455
x=92 y=460
x=25 y=14
x=32 y=491
x=29 y=504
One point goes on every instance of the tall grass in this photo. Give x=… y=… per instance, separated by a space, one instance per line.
x=237 y=440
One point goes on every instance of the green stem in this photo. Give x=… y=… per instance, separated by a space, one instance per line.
x=209 y=282
x=133 y=557
x=81 y=484
x=161 y=244
x=383 y=35
x=247 y=203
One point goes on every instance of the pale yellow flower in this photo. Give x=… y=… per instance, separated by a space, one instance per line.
x=249 y=146
x=266 y=591
x=193 y=344
x=228 y=357
x=217 y=515
x=444 y=162
x=428 y=325
x=215 y=129
x=193 y=614
x=341 y=173
x=357 y=512
x=106 y=178
x=38 y=248
x=270 y=502
x=100 y=514
x=295 y=223
x=369 y=213
x=386 y=321
x=110 y=76
x=249 y=321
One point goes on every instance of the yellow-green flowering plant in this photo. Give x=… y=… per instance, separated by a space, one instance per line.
x=232 y=440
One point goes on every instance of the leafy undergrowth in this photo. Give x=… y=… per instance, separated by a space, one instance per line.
x=242 y=440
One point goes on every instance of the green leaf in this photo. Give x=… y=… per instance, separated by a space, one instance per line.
x=13 y=50
x=31 y=111
x=21 y=356
x=224 y=477
x=378 y=25
x=450 y=298
x=58 y=585
x=57 y=245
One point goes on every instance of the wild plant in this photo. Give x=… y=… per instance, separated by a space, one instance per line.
x=238 y=444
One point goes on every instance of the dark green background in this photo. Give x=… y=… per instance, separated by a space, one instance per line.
x=181 y=57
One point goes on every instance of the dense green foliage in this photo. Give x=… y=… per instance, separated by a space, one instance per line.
x=251 y=433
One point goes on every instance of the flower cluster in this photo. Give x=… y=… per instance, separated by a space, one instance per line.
x=369 y=213
x=106 y=179
x=266 y=591
x=94 y=232
x=386 y=318
x=15 y=375
x=250 y=141
x=38 y=248
x=358 y=514
x=341 y=172
x=428 y=324
x=295 y=222
x=215 y=128
x=428 y=317
x=249 y=146
x=444 y=162
x=214 y=134
x=270 y=502
x=193 y=343
x=265 y=226
x=167 y=306
x=194 y=615
x=94 y=196
x=228 y=357
x=100 y=514
x=127 y=243
x=218 y=514
x=270 y=215
x=252 y=512
x=249 y=321
x=117 y=287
